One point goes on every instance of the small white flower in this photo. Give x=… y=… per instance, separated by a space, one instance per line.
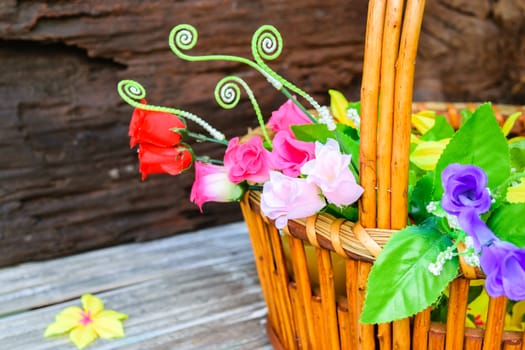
x=432 y=207
x=354 y=116
x=453 y=222
x=326 y=118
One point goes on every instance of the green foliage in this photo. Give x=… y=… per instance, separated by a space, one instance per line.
x=480 y=142
x=400 y=283
x=441 y=130
x=508 y=223
x=517 y=155
x=420 y=197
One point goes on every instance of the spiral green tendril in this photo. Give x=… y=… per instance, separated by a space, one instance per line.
x=132 y=92
x=266 y=44
x=228 y=93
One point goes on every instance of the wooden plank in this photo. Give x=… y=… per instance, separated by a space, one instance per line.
x=193 y=291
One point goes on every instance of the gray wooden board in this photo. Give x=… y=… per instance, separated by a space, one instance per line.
x=192 y=291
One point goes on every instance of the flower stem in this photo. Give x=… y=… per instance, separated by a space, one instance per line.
x=301 y=107
x=206 y=159
x=201 y=137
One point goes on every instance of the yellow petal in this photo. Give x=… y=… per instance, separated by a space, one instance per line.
x=414 y=139
x=518 y=310
x=108 y=326
x=509 y=123
x=64 y=321
x=427 y=153
x=82 y=336
x=92 y=303
x=516 y=139
x=424 y=121
x=115 y=314
x=479 y=306
x=339 y=106
x=516 y=194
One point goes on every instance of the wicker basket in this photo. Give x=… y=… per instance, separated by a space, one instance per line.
x=301 y=316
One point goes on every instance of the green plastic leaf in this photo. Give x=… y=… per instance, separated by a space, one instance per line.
x=441 y=130
x=508 y=223
x=400 y=284
x=465 y=115
x=312 y=132
x=480 y=142
x=420 y=197
x=517 y=155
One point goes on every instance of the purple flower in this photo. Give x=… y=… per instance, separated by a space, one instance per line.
x=465 y=189
x=466 y=196
x=504 y=267
x=285 y=198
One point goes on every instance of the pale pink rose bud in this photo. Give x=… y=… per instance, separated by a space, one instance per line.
x=212 y=185
x=247 y=161
x=289 y=154
x=330 y=171
x=284 y=198
x=288 y=114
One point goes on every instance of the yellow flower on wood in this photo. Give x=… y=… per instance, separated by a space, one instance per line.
x=86 y=324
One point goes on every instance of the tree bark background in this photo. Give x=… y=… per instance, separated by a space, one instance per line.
x=68 y=180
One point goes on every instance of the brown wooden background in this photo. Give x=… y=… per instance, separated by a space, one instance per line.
x=68 y=181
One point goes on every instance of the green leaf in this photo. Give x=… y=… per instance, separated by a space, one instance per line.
x=348 y=212
x=508 y=223
x=400 y=284
x=480 y=142
x=312 y=132
x=517 y=155
x=465 y=115
x=441 y=130
x=420 y=197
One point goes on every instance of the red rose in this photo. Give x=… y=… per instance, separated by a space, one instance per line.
x=154 y=128
x=163 y=160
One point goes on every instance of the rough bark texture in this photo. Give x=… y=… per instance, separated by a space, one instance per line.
x=68 y=181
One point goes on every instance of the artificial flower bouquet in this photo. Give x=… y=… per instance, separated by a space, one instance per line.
x=466 y=184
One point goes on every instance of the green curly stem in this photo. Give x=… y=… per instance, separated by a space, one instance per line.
x=132 y=92
x=228 y=93
x=266 y=44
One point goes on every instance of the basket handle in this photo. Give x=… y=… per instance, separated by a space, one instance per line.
x=388 y=71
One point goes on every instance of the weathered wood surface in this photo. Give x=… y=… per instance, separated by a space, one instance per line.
x=68 y=181
x=192 y=291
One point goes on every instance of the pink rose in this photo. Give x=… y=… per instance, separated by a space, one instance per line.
x=285 y=198
x=212 y=185
x=247 y=161
x=288 y=114
x=330 y=171
x=289 y=154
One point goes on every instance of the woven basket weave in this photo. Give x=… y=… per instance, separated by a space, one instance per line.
x=303 y=316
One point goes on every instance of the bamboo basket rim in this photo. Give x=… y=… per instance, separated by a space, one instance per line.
x=357 y=245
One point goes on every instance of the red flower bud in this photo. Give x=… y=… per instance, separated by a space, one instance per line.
x=154 y=128
x=163 y=160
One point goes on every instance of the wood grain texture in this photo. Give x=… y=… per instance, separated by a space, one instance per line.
x=192 y=291
x=69 y=183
